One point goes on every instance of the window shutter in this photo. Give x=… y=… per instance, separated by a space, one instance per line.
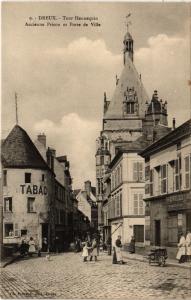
x=135 y=171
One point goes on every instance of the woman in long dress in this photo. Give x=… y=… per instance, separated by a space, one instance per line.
x=32 y=248
x=94 y=252
x=118 y=247
x=181 y=249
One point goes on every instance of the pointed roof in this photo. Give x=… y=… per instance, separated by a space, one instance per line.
x=18 y=151
x=129 y=78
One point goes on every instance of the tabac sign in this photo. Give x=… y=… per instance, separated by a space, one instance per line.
x=33 y=189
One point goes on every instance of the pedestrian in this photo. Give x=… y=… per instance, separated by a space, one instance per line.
x=44 y=245
x=109 y=245
x=118 y=246
x=85 y=252
x=32 y=248
x=89 y=245
x=132 y=245
x=188 y=245
x=57 y=244
x=94 y=252
x=78 y=245
x=181 y=249
x=114 y=256
x=23 y=248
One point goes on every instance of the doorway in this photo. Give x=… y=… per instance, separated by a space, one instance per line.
x=157 y=233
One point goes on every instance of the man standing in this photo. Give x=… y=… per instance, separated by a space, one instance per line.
x=118 y=247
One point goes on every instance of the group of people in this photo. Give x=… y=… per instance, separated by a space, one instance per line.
x=90 y=249
x=184 y=247
x=27 y=247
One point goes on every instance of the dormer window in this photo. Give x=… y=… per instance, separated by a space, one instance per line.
x=130 y=108
x=130 y=101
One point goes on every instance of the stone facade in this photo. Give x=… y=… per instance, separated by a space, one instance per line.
x=167 y=188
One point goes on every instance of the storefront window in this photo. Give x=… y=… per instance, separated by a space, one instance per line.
x=8 y=229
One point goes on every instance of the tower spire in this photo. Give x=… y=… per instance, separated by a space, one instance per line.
x=128 y=42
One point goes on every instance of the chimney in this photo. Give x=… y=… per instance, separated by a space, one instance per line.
x=173 y=123
x=42 y=139
x=87 y=187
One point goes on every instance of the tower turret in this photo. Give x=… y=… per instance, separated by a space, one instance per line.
x=128 y=47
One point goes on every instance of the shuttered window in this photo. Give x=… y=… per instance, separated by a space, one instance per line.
x=187 y=172
x=138 y=171
x=163 y=179
x=138 y=204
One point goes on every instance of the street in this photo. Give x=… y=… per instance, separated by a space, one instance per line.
x=67 y=276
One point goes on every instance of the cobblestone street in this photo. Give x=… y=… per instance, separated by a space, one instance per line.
x=66 y=276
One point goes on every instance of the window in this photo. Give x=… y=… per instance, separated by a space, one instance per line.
x=138 y=171
x=147 y=172
x=23 y=232
x=130 y=107
x=138 y=206
x=121 y=176
x=151 y=182
x=163 y=179
x=177 y=174
x=9 y=229
x=62 y=217
x=17 y=231
x=8 y=204
x=138 y=231
x=187 y=172
x=118 y=206
x=43 y=177
x=4 y=177
x=27 y=177
x=30 y=204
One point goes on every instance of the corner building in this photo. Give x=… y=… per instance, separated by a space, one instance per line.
x=28 y=190
x=167 y=188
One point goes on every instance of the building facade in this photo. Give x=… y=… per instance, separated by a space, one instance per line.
x=129 y=119
x=126 y=211
x=37 y=191
x=167 y=188
x=28 y=190
x=87 y=204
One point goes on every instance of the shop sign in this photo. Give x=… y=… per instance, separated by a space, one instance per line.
x=33 y=189
x=176 y=202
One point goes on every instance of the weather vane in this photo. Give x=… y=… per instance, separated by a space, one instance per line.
x=128 y=22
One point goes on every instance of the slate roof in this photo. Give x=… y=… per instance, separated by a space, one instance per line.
x=129 y=78
x=18 y=151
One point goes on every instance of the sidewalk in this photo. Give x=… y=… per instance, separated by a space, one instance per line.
x=142 y=258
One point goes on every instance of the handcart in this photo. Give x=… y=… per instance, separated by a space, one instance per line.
x=158 y=256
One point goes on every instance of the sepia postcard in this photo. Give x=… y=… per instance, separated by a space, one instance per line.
x=95 y=150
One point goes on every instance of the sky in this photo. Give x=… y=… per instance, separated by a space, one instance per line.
x=60 y=73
